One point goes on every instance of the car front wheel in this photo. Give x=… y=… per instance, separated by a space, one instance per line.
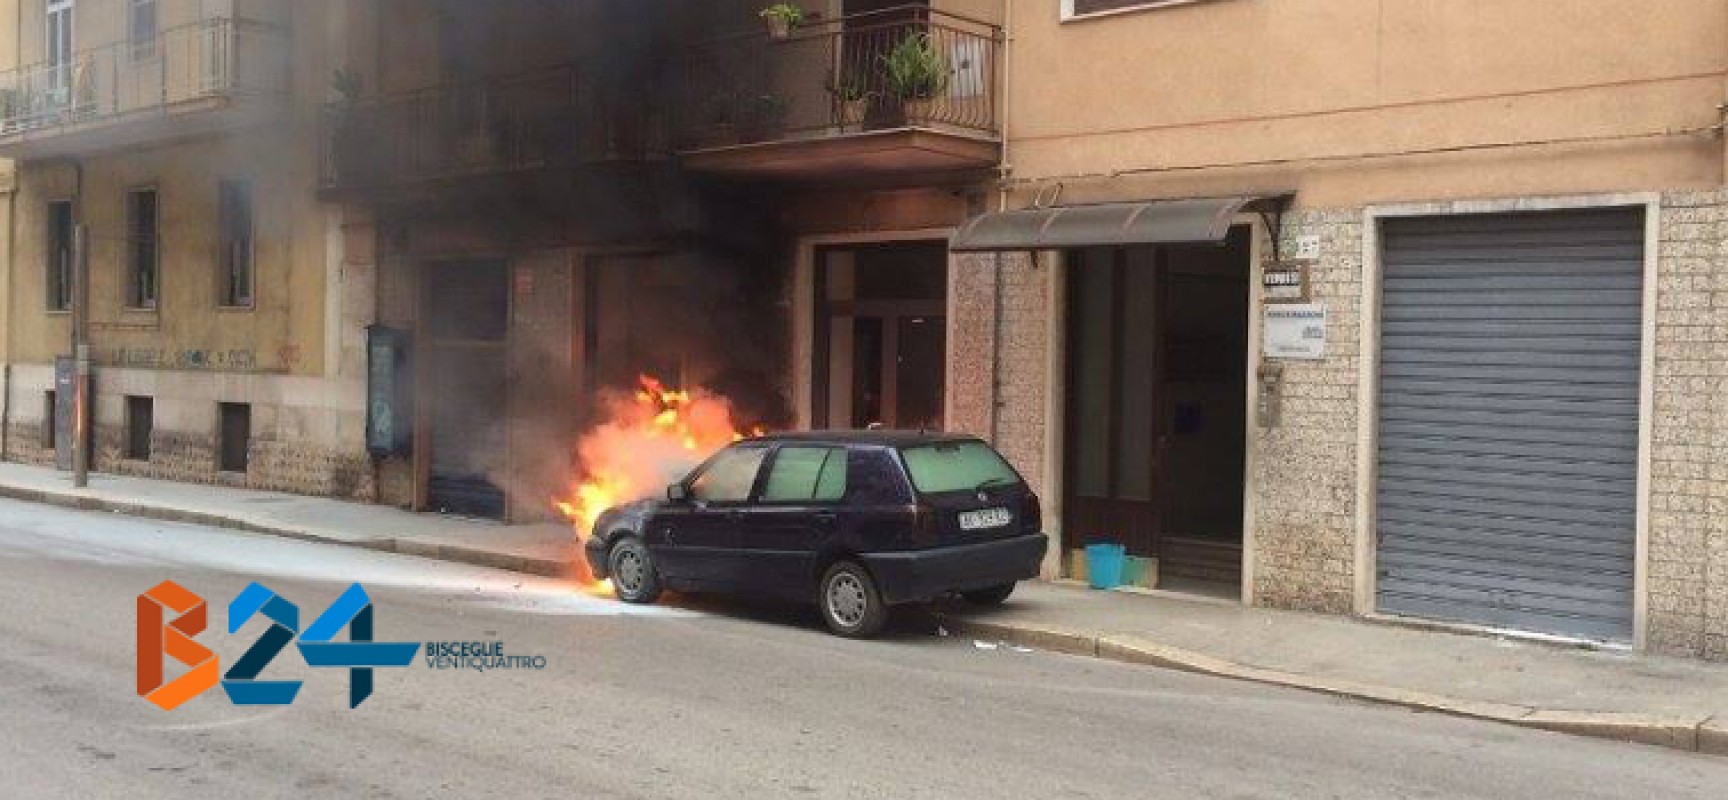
x=633 y=574
x=851 y=605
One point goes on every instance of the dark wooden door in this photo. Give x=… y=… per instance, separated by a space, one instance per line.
x=1115 y=431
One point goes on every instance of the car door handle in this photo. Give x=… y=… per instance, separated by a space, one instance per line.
x=824 y=517
x=735 y=516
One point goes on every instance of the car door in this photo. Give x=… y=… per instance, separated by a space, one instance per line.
x=695 y=541
x=796 y=508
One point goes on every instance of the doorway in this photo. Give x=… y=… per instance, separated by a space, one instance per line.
x=1157 y=408
x=881 y=336
x=466 y=332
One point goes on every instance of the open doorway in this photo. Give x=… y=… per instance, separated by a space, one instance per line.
x=466 y=327
x=881 y=336
x=1157 y=408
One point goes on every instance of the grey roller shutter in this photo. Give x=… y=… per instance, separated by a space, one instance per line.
x=1508 y=419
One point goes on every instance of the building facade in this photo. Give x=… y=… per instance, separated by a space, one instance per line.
x=1451 y=345
x=178 y=135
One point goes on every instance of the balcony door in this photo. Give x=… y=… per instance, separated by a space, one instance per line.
x=58 y=46
x=881 y=336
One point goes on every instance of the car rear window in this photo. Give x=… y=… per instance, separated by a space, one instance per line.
x=956 y=466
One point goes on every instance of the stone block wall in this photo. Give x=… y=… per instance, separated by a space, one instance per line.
x=304 y=440
x=1687 y=567
x=1303 y=474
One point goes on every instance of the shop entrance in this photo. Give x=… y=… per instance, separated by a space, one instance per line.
x=466 y=331
x=1157 y=408
x=881 y=336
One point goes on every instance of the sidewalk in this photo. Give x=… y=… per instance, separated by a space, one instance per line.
x=537 y=549
x=1669 y=702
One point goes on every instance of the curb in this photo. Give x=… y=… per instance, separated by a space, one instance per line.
x=544 y=567
x=1706 y=735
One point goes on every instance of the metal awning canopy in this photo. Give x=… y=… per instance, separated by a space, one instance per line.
x=1153 y=222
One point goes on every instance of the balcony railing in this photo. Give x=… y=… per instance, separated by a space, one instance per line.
x=482 y=127
x=209 y=59
x=908 y=67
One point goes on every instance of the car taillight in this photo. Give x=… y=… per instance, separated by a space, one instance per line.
x=1033 y=512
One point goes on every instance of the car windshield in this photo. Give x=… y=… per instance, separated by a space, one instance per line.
x=956 y=466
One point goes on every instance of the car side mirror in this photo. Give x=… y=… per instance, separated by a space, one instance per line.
x=677 y=493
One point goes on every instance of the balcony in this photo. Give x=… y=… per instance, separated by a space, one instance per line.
x=484 y=128
x=209 y=76
x=904 y=94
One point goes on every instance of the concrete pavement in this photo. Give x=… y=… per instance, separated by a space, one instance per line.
x=726 y=701
x=1669 y=702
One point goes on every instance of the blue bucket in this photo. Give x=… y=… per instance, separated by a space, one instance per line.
x=1104 y=565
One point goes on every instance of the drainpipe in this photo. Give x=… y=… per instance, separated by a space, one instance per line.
x=1007 y=168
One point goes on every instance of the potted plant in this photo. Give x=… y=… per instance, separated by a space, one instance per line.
x=851 y=101
x=916 y=74
x=719 y=121
x=764 y=117
x=782 y=20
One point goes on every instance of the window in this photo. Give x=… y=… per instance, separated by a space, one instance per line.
x=60 y=255
x=59 y=49
x=729 y=477
x=236 y=256
x=142 y=24
x=956 y=467
x=1088 y=8
x=141 y=253
x=234 y=436
x=807 y=474
x=140 y=422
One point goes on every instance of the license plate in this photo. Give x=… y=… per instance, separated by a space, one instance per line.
x=987 y=518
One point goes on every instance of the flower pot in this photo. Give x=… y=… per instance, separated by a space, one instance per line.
x=918 y=109
x=720 y=134
x=779 y=28
x=852 y=113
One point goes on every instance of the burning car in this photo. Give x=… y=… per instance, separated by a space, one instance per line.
x=856 y=521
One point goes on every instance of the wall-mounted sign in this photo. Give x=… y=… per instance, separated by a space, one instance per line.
x=1307 y=248
x=1296 y=331
x=1284 y=282
x=389 y=417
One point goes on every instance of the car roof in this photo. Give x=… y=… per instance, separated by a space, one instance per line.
x=871 y=438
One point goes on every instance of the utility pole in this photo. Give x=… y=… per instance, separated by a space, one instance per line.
x=80 y=356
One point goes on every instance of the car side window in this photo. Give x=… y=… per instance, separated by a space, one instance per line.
x=806 y=474
x=876 y=480
x=730 y=476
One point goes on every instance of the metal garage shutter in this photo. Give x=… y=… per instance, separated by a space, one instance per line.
x=1508 y=416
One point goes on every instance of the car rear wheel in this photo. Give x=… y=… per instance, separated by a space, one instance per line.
x=993 y=596
x=851 y=606
x=634 y=577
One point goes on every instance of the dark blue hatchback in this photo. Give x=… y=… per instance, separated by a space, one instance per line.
x=857 y=521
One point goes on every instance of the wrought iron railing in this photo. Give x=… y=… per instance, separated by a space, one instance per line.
x=486 y=126
x=210 y=58
x=901 y=67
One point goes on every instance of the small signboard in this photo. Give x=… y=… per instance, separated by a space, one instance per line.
x=1284 y=282
x=1294 y=331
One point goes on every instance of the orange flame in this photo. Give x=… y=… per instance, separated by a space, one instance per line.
x=650 y=438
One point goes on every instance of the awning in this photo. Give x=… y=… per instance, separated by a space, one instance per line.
x=1154 y=222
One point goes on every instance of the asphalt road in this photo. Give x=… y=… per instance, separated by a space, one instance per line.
x=726 y=701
